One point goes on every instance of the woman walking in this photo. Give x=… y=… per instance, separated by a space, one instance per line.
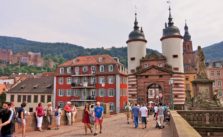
x=73 y=113
x=39 y=116
x=22 y=118
x=57 y=116
x=86 y=119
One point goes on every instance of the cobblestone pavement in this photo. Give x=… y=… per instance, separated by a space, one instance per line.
x=115 y=126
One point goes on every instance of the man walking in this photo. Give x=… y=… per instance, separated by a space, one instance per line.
x=67 y=109
x=144 y=114
x=128 y=111
x=135 y=113
x=98 y=112
x=160 y=115
x=6 y=116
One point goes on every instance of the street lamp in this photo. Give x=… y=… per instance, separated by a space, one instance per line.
x=171 y=82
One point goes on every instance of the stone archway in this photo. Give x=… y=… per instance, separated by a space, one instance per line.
x=154 y=93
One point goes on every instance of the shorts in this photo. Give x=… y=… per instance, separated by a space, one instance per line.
x=98 y=120
x=144 y=120
x=21 y=121
x=128 y=114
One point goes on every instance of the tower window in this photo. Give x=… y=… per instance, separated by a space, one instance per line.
x=176 y=69
x=132 y=58
x=175 y=56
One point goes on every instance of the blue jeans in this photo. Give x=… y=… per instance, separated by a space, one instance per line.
x=136 y=121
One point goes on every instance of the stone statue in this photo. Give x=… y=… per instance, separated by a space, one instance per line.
x=200 y=61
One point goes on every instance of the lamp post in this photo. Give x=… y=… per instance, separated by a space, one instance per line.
x=171 y=81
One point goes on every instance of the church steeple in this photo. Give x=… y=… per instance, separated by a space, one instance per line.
x=187 y=36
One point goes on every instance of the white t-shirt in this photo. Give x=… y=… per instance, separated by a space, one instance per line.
x=144 y=111
x=155 y=109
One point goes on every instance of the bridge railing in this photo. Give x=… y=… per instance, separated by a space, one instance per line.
x=180 y=127
x=203 y=118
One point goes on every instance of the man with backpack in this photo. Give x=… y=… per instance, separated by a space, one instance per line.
x=21 y=118
x=128 y=110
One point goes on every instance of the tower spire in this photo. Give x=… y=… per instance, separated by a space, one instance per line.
x=170 y=19
x=136 y=27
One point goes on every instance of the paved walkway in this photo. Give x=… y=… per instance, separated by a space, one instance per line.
x=115 y=126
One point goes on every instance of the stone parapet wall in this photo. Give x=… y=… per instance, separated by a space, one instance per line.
x=180 y=128
x=206 y=122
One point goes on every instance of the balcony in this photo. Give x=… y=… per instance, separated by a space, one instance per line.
x=92 y=73
x=82 y=85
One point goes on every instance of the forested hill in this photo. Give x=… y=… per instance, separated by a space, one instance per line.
x=66 y=50
x=214 y=52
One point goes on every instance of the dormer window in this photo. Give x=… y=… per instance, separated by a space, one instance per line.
x=61 y=70
x=145 y=65
x=100 y=59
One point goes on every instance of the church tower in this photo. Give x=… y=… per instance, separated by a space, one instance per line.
x=172 y=46
x=136 y=47
x=188 y=54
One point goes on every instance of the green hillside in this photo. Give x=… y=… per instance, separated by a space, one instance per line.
x=65 y=50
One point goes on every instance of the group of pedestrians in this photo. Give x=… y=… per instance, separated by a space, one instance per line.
x=141 y=113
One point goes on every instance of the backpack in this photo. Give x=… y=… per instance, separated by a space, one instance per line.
x=56 y=113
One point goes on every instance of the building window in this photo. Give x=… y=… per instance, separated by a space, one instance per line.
x=100 y=59
x=102 y=68
x=176 y=69
x=93 y=80
x=48 y=98
x=60 y=92
x=42 y=99
x=132 y=58
x=111 y=92
x=214 y=84
x=145 y=65
x=151 y=93
x=30 y=109
x=61 y=70
x=110 y=80
x=112 y=107
x=93 y=93
x=12 y=98
x=85 y=69
x=219 y=83
x=29 y=98
x=24 y=98
x=60 y=80
x=69 y=80
x=110 y=68
x=101 y=92
x=187 y=78
x=69 y=92
x=35 y=98
x=218 y=73
x=101 y=80
x=77 y=70
x=175 y=56
x=61 y=104
x=93 y=69
x=19 y=98
x=68 y=70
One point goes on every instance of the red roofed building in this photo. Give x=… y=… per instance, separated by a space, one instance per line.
x=87 y=79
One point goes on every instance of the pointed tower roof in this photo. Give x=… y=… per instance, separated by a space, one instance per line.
x=137 y=34
x=187 y=36
x=170 y=30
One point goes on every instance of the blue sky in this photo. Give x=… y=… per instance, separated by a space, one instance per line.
x=107 y=23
